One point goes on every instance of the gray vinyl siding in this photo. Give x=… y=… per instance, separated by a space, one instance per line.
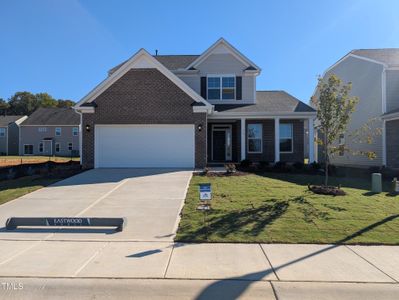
x=366 y=78
x=392 y=92
x=223 y=64
x=13 y=139
x=30 y=135
x=3 y=142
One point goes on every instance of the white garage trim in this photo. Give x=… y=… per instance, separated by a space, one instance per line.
x=144 y=146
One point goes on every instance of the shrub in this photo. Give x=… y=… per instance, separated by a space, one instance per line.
x=245 y=164
x=315 y=166
x=230 y=168
x=263 y=165
x=298 y=165
x=332 y=169
x=280 y=166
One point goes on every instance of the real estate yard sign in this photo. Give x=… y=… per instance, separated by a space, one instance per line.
x=205 y=191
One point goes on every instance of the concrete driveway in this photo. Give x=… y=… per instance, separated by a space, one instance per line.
x=150 y=199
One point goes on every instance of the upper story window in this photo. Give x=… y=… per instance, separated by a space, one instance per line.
x=221 y=87
x=42 y=129
x=75 y=131
x=2 y=132
x=57 y=131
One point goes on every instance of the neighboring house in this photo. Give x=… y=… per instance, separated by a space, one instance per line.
x=374 y=74
x=9 y=134
x=190 y=111
x=51 y=131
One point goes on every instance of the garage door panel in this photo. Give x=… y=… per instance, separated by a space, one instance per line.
x=144 y=146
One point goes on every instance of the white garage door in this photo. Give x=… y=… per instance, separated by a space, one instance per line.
x=144 y=146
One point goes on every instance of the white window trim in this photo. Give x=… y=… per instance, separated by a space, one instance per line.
x=59 y=147
x=261 y=139
x=73 y=131
x=55 y=131
x=42 y=129
x=38 y=148
x=292 y=138
x=2 y=132
x=71 y=146
x=220 y=76
x=24 y=149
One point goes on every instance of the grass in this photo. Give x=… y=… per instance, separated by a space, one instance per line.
x=12 y=189
x=278 y=208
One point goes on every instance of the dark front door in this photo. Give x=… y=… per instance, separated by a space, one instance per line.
x=219 y=145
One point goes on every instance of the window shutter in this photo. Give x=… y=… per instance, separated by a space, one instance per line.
x=203 y=87
x=239 y=87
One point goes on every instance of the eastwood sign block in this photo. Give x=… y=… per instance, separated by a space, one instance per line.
x=14 y=222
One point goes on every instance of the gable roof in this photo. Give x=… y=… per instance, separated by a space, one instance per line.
x=269 y=101
x=172 y=62
x=53 y=116
x=142 y=59
x=6 y=120
x=223 y=43
x=388 y=56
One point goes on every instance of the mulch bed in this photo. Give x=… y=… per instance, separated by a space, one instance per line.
x=326 y=190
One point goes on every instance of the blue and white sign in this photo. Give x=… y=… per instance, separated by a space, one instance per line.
x=205 y=191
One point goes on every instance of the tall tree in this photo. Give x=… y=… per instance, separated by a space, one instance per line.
x=3 y=106
x=334 y=109
x=23 y=103
x=65 y=103
x=45 y=100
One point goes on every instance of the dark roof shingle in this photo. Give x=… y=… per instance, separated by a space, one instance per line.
x=172 y=62
x=53 y=116
x=6 y=120
x=268 y=101
x=389 y=56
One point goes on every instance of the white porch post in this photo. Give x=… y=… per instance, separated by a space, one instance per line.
x=276 y=140
x=384 y=145
x=311 y=140
x=243 y=140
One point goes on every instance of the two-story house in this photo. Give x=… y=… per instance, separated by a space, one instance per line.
x=9 y=134
x=374 y=74
x=190 y=111
x=50 y=132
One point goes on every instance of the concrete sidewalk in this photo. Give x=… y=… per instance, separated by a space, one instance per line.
x=163 y=270
x=159 y=260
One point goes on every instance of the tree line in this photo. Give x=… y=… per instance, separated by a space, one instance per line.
x=25 y=103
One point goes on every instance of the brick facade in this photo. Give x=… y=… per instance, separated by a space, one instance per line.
x=144 y=96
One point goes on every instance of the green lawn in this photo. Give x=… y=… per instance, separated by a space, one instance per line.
x=278 y=208
x=12 y=189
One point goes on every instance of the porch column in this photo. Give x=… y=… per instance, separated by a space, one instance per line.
x=311 y=140
x=276 y=140
x=243 y=140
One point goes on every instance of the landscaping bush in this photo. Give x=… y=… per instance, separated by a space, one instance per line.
x=299 y=166
x=263 y=165
x=280 y=166
x=230 y=168
x=245 y=164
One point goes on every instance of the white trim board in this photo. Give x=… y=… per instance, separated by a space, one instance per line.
x=142 y=59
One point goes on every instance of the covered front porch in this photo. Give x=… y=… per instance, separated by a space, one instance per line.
x=267 y=139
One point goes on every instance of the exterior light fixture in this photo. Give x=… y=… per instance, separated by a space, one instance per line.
x=88 y=127
x=200 y=127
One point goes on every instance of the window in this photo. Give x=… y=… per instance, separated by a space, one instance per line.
x=57 y=147
x=2 y=132
x=42 y=129
x=341 y=145
x=286 y=140
x=221 y=87
x=57 y=131
x=28 y=149
x=254 y=136
x=75 y=131
x=41 y=147
x=70 y=147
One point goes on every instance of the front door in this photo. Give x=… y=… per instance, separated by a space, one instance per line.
x=221 y=143
x=47 y=147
